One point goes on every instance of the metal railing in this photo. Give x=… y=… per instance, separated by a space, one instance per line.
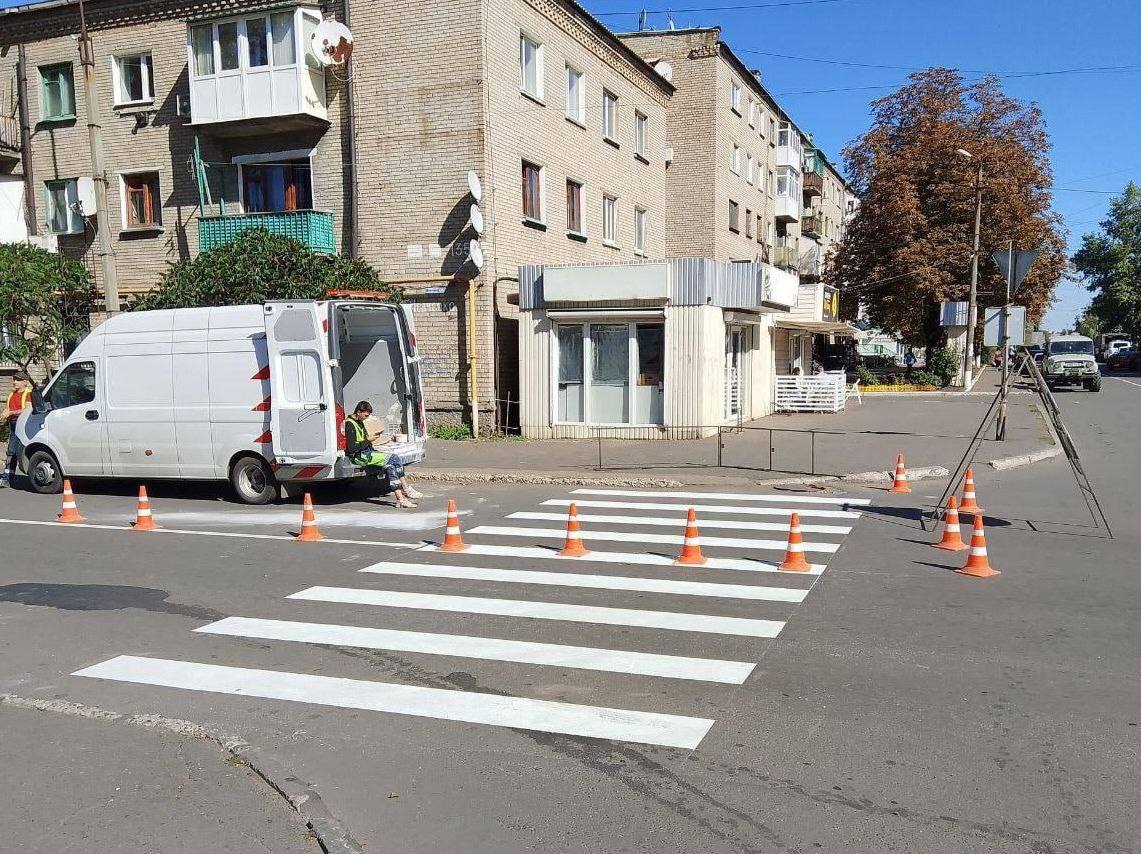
x=10 y=133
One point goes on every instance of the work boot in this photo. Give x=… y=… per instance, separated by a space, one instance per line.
x=405 y=504
x=412 y=492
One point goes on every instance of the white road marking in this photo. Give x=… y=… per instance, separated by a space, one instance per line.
x=599 y=582
x=1122 y=379
x=639 y=537
x=378 y=517
x=538 y=553
x=546 y=611
x=704 y=508
x=491 y=649
x=235 y=534
x=438 y=703
x=679 y=522
x=727 y=496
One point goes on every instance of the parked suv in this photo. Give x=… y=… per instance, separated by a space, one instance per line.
x=1069 y=361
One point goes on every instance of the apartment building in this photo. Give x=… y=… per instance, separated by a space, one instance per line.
x=562 y=123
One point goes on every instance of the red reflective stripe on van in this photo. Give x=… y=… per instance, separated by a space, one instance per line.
x=263 y=374
x=310 y=471
x=265 y=438
x=263 y=406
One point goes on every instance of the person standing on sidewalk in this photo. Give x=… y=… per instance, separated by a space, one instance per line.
x=18 y=400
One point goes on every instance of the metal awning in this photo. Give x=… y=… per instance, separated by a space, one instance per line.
x=818 y=327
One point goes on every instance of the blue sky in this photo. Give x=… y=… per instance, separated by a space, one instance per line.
x=1094 y=118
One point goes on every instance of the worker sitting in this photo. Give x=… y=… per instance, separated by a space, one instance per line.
x=360 y=450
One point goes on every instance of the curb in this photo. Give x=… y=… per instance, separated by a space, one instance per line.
x=331 y=835
x=1007 y=463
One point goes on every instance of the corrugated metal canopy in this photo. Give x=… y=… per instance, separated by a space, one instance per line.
x=820 y=327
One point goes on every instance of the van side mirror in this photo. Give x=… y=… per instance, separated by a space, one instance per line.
x=40 y=406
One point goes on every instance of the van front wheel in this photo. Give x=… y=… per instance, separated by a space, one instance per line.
x=253 y=481
x=44 y=475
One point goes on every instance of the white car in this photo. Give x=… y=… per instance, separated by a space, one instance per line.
x=253 y=394
x=1069 y=360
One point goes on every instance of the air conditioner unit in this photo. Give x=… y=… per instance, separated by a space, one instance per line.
x=182 y=105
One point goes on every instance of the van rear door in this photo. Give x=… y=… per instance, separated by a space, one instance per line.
x=301 y=400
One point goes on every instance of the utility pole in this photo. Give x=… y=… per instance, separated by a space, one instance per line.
x=99 y=171
x=972 y=300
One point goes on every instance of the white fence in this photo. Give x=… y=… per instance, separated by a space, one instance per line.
x=816 y=393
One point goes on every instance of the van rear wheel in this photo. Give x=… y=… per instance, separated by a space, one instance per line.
x=44 y=474
x=253 y=481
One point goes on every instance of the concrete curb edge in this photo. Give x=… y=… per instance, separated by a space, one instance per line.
x=331 y=835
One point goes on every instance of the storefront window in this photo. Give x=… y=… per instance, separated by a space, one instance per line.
x=625 y=382
x=650 y=388
x=610 y=373
x=571 y=398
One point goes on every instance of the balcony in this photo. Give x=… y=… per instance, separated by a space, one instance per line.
x=9 y=138
x=787 y=208
x=255 y=74
x=812 y=184
x=785 y=257
x=313 y=228
x=812 y=226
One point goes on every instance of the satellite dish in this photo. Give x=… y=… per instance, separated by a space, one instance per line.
x=665 y=69
x=474 y=186
x=331 y=43
x=477 y=219
x=476 y=252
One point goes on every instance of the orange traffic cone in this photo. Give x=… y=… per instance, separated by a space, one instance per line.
x=977 y=563
x=69 y=511
x=952 y=540
x=309 y=532
x=690 y=550
x=573 y=547
x=144 y=521
x=794 y=560
x=453 y=539
x=899 y=485
x=969 y=504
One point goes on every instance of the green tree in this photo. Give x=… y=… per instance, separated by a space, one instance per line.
x=1110 y=263
x=259 y=266
x=45 y=300
x=909 y=245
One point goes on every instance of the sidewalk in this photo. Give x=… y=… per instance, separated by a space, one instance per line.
x=931 y=430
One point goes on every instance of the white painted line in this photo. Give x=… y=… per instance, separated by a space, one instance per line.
x=235 y=534
x=546 y=611
x=1122 y=379
x=639 y=537
x=598 y=582
x=726 y=496
x=704 y=508
x=438 y=703
x=538 y=553
x=491 y=649
x=679 y=522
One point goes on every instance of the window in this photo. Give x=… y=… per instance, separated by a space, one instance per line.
x=752 y=113
x=610 y=220
x=73 y=387
x=788 y=182
x=749 y=168
x=141 y=203
x=530 y=66
x=257 y=43
x=283 y=186
x=770 y=182
x=574 y=207
x=760 y=229
x=251 y=44
x=62 y=201
x=532 y=192
x=734 y=217
x=57 y=92
x=228 y=45
x=609 y=115
x=748 y=223
x=640 y=124
x=640 y=219
x=735 y=160
x=571 y=398
x=772 y=130
x=610 y=373
x=576 y=96
x=735 y=98
x=133 y=80
x=202 y=43
x=281 y=32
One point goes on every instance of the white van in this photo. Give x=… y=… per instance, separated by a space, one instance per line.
x=254 y=394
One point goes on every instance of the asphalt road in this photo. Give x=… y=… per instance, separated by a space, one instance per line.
x=899 y=706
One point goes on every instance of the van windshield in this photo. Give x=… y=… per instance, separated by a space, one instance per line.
x=373 y=367
x=1061 y=348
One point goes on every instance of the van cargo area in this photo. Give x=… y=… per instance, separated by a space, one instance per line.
x=372 y=361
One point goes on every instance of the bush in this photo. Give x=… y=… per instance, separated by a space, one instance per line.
x=865 y=375
x=926 y=378
x=944 y=363
x=450 y=432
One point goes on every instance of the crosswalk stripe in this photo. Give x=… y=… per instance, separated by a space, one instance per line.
x=599 y=582
x=646 y=559
x=727 y=496
x=438 y=703
x=703 y=509
x=661 y=521
x=640 y=537
x=491 y=649
x=546 y=611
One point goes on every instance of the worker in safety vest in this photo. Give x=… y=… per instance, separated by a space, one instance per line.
x=19 y=400
x=359 y=449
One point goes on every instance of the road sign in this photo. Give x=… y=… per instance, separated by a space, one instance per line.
x=992 y=326
x=1022 y=260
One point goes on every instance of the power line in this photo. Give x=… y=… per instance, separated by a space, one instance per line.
x=733 y=8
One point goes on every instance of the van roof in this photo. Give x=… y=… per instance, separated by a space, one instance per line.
x=1070 y=338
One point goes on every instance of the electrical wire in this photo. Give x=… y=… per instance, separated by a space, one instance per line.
x=733 y=8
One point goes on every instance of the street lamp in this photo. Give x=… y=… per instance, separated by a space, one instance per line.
x=969 y=354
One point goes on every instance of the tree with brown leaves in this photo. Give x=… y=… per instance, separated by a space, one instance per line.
x=909 y=246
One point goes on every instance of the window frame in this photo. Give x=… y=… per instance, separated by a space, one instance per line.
x=57 y=67
x=735 y=160
x=274 y=157
x=609 y=116
x=118 y=90
x=526 y=39
x=610 y=214
x=579 y=186
x=49 y=392
x=641 y=134
x=734 y=214
x=579 y=116
x=641 y=222
x=525 y=188
x=153 y=194
x=735 y=97
x=748 y=223
x=750 y=167
x=296 y=17
x=75 y=224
